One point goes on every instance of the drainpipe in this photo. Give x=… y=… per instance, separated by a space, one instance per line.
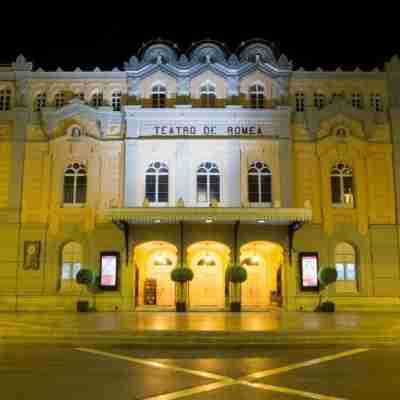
x=235 y=243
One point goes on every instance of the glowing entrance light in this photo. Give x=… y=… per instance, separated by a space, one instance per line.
x=208 y=220
x=156 y=221
x=261 y=221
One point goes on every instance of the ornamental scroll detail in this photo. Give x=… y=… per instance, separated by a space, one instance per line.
x=31 y=255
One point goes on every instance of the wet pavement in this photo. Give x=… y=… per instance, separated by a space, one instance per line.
x=45 y=372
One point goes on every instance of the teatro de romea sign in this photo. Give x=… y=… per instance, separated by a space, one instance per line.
x=191 y=130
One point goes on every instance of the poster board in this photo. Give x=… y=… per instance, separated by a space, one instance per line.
x=109 y=270
x=309 y=268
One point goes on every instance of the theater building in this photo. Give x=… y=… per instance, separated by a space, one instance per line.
x=205 y=158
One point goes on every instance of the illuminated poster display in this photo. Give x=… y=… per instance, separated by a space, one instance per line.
x=109 y=268
x=309 y=271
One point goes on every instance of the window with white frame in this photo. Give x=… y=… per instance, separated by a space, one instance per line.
x=97 y=99
x=356 y=100
x=319 y=100
x=116 y=101
x=376 y=102
x=75 y=184
x=342 y=185
x=259 y=183
x=5 y=100
x=208 y=95
x=257 y=96
x=157 y=182
x=71 y=263
x=59 y=100
x=300 y=101
x=346 y=267
x=208 y=183
x=40 y=101
x=159 y=96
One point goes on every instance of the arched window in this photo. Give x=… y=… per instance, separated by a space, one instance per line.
x=5 y=100
x=208 y=96
x=159 y=96
x=97 y=99
x=346 y=267
x=356 y=100
x=40 y=101
x=256 y=96
x=59 y=100
x=116 y=101
x=208 y=183
x=71 y=263
x=75 y=184
x=300 y=101
x=319 y=100
x=259 y=183
x=342 y=185
x=376 y=102
x=157 y=182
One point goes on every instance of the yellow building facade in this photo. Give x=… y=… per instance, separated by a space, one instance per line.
x=205 y=158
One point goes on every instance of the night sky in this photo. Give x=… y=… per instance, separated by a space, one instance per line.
x=322 y=38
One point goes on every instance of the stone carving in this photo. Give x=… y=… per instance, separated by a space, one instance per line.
x=22 y=93
x=183 y=87
x=134 y=87
x=31 y=255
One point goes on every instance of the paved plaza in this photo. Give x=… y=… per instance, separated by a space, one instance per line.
x=48 y=373
x=196 y=328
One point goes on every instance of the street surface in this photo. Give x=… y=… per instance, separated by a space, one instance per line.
x=124 y=373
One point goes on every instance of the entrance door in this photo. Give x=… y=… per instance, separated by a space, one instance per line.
x=204 y=286
x=255 y=291
x=164 y=287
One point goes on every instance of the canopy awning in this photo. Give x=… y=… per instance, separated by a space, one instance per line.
x=173 y=215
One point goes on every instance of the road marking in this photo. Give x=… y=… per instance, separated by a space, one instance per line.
x=191 y=391
x=285 y=390
x=225 y=381
x=156 y=364
x=290 y=367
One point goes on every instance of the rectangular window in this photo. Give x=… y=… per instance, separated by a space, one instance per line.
x=68 y=189
x=163 y=188
x=81 y=185
x=350 y=274
x=151 y=188
x=340 y=272
x=253 y=188
x=201 y=188
x=266 y=189
x=214 y=188
x=336 y=192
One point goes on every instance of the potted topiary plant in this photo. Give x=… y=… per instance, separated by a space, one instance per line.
x=326 y=276
x=87 y=278
x=181 y=275
x=236 y=275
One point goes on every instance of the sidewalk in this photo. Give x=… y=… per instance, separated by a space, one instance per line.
x=170 y=329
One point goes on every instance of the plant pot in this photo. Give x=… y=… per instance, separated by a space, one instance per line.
x=327 y=306
x=236 y=307
x=180 y=307
x=82 y=306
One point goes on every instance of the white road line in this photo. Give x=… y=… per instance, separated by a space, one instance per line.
x=290 y=367
x=285 y=390
x=191 y=391
x=203 y=374
x=225 y=381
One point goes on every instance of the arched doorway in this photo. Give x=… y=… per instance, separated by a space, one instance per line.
x=262 y=260
x=153 y=263
x=208 y=261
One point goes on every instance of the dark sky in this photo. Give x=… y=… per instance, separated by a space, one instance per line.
x=68 y=37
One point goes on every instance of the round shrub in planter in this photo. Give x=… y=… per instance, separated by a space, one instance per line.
x=326 y=277
x=181 y=275
x=236 y=275
x=88 y=278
